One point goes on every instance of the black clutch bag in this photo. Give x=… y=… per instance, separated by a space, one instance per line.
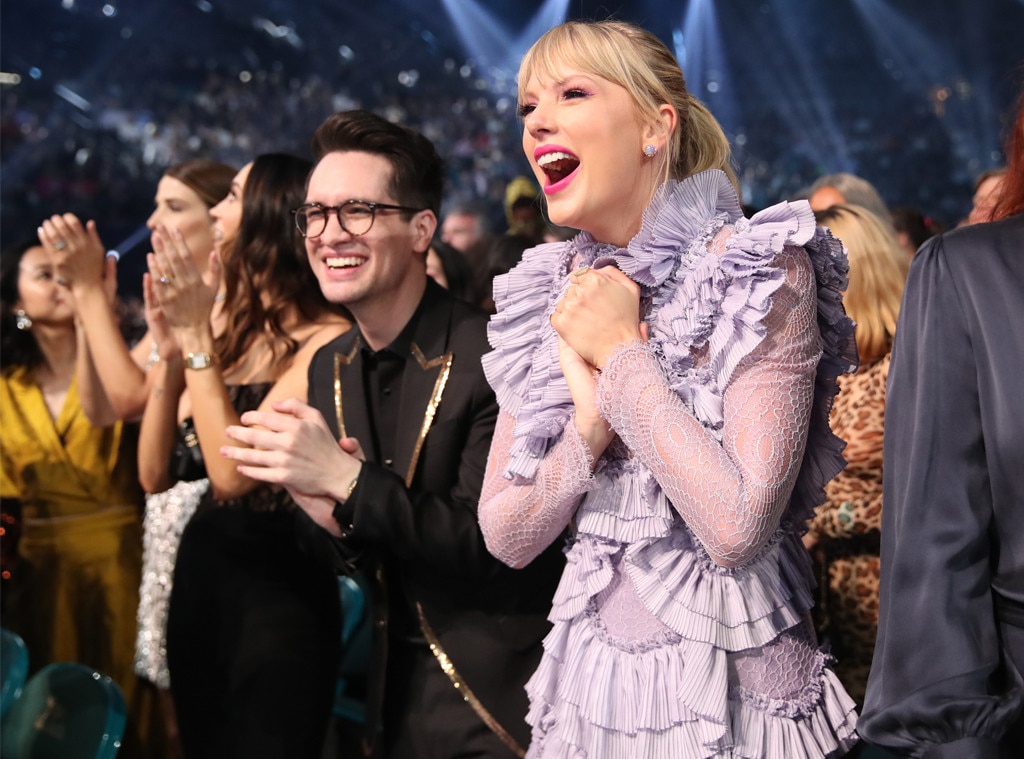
x=187 y=457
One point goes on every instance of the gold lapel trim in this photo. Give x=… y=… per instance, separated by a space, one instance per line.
x=462 y=687
x=339 y=361
x=445 y=362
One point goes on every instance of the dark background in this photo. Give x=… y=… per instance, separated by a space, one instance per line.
x=98 y=97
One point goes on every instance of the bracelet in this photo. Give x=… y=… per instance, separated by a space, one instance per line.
x=154 y=356
x=351 y=487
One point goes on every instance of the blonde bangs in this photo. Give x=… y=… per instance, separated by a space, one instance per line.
x=594 y=49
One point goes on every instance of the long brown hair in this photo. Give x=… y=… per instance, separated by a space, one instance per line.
x=266 y=274
x=210 y=180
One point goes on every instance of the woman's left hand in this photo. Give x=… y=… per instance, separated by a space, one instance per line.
x=598 y=313
x=184 y=295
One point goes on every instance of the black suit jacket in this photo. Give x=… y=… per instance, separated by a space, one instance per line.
x=419 y=518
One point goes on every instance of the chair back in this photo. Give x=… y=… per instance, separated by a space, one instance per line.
x=13 y=668
x=66 y=711
x=356 y=634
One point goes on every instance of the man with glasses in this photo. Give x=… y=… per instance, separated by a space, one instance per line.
x=388 y=458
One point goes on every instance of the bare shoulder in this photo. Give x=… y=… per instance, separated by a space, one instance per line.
x=312 y=337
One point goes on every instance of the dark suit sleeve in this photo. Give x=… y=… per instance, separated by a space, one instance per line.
x=435 y=527
x=935 y=687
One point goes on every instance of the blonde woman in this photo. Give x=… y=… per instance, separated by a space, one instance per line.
x=664 y=381
x=845 y=531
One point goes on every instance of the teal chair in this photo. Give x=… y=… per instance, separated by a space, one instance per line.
x=13 y=668
x=65 y=711
x=356 y=632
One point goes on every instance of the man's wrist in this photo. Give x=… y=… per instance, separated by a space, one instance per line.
x=352 y=483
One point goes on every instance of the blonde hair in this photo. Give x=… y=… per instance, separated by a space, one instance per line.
x=637 y=60
x=878 y=271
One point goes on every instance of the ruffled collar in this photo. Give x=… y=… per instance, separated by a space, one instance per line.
x=683 y=301
x=678 y=215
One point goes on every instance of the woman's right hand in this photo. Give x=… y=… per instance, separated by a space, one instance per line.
x=78 y=253
x=185 y=295
x=582 y=380
x=159 y=330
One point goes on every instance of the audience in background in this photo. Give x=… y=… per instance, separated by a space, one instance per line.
x=987 y=189
x=844 y=533
x=465 y=225
x=450 y=269
x=496 y=258
x=523 y=208
x=913 y=228
x=833 y=189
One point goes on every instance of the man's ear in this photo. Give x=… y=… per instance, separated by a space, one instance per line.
x=424 y=224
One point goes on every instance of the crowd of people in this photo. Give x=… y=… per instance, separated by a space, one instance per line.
x=604 y=450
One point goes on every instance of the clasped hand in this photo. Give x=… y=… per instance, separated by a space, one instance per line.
x=599 y=313
x=292 y=446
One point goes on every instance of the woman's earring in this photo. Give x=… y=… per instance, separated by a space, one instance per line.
x=650 y=150
x=21 y=320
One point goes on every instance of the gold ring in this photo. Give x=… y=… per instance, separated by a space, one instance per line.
x=165 y=280
x=581 y=271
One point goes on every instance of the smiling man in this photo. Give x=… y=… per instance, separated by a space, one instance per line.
x=391 y=479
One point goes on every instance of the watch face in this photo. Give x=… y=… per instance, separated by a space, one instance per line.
x=199 y=361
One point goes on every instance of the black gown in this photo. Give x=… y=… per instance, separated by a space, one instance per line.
x=254 y=628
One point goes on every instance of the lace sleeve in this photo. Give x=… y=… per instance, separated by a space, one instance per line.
x=732 y=493
x=520 y=518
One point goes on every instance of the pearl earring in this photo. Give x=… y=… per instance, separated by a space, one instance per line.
x=650 y=150
x=21 y=320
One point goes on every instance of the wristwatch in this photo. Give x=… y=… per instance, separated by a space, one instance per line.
x=199 y=360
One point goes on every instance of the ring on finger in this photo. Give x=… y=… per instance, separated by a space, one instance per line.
x=60 y=244
x=165 y=280
x=580 y=271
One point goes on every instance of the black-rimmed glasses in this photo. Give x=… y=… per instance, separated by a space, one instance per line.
x=355 y=216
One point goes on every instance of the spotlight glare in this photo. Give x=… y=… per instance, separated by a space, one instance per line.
x=109 y=10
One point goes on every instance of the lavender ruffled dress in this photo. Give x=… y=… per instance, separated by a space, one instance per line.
x=681 y=624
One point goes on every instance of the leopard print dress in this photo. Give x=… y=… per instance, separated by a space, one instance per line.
x=846 y=528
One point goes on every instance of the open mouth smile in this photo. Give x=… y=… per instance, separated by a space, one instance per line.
x=344 y=262
x=559 y=166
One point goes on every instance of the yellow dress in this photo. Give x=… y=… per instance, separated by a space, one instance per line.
x=75 y=588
